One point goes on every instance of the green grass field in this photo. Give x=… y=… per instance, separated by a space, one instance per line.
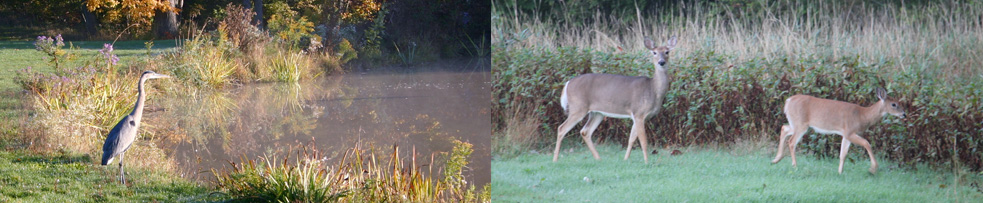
x=17 y=55
x=717 y=175
x=65 y=178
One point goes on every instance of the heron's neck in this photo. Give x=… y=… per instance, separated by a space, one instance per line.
x=138 y=109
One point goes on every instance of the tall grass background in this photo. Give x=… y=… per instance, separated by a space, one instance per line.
x=736 y=62
x=933 y=38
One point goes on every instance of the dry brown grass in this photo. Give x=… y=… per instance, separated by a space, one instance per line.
x=521 y=131
x=935 y=38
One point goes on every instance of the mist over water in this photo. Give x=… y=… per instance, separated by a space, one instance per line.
x=425 y=107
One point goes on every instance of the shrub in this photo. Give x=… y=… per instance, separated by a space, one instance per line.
x=290 y=27
x=346 y=51
x=235 y=28
x=357 y=176
x=52 y=47
x=372 y=49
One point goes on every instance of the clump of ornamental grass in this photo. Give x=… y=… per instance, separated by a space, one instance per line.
x=358 y=176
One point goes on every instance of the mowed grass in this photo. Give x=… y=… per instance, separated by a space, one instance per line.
x=715 y=175
x=67 y=178
x=17 y=55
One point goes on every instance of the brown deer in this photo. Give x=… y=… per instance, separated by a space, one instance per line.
x=606 y=95
x=834 y=117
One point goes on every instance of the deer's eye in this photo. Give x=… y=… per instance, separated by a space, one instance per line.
x=667 y=52
x=894 y=105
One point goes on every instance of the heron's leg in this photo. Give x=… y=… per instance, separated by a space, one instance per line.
x=122 y=174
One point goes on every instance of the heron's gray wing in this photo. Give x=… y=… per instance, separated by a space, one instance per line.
x=119 y=139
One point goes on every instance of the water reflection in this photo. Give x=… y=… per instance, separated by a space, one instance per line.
x=426 y=108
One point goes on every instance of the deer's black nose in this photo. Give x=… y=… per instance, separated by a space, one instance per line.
x=662 y=63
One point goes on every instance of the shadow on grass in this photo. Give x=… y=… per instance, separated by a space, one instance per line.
x=58 y=159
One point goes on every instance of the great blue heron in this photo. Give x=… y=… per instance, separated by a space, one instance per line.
x=122 y=136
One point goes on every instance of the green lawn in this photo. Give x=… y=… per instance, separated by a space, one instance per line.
x=35 y=178
x=710 y=175
x=17 y=55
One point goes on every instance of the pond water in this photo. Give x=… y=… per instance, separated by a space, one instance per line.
x=426 y=107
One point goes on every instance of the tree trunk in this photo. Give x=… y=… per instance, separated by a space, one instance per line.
x=256 y=6
x=332 y=20
x=90 y=22
x=166 y=23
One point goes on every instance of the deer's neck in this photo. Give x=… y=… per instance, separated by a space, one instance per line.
x=660 y=80
x=872 y=113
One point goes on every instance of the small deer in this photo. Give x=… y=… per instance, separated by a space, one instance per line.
x=606 y=95
x=834 y=117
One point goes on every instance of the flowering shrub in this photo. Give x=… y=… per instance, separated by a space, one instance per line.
x=53 y=48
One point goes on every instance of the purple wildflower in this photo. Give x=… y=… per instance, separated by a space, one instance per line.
x=43 y=43
x=107 y=51
x=60 y=41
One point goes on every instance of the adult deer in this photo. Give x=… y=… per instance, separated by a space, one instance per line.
x=618 y=96
x=834 y=117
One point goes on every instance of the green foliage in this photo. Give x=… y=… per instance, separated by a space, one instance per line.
x=457 y=160
x=346 y=51
x=269 y=181
x=288 y=26
x=373 y=37
x=407 y=56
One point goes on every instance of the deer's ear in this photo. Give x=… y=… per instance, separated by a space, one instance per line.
x=649 y=44
x=881 y=93
x=671 y=43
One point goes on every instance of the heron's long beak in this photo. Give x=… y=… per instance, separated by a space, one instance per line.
x=158 y=75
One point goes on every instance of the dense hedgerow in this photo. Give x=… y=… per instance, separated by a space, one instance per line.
x=713 y=102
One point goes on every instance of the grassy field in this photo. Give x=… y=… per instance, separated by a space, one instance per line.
x=717 y=175
x=66 y=178
x=19 y=55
